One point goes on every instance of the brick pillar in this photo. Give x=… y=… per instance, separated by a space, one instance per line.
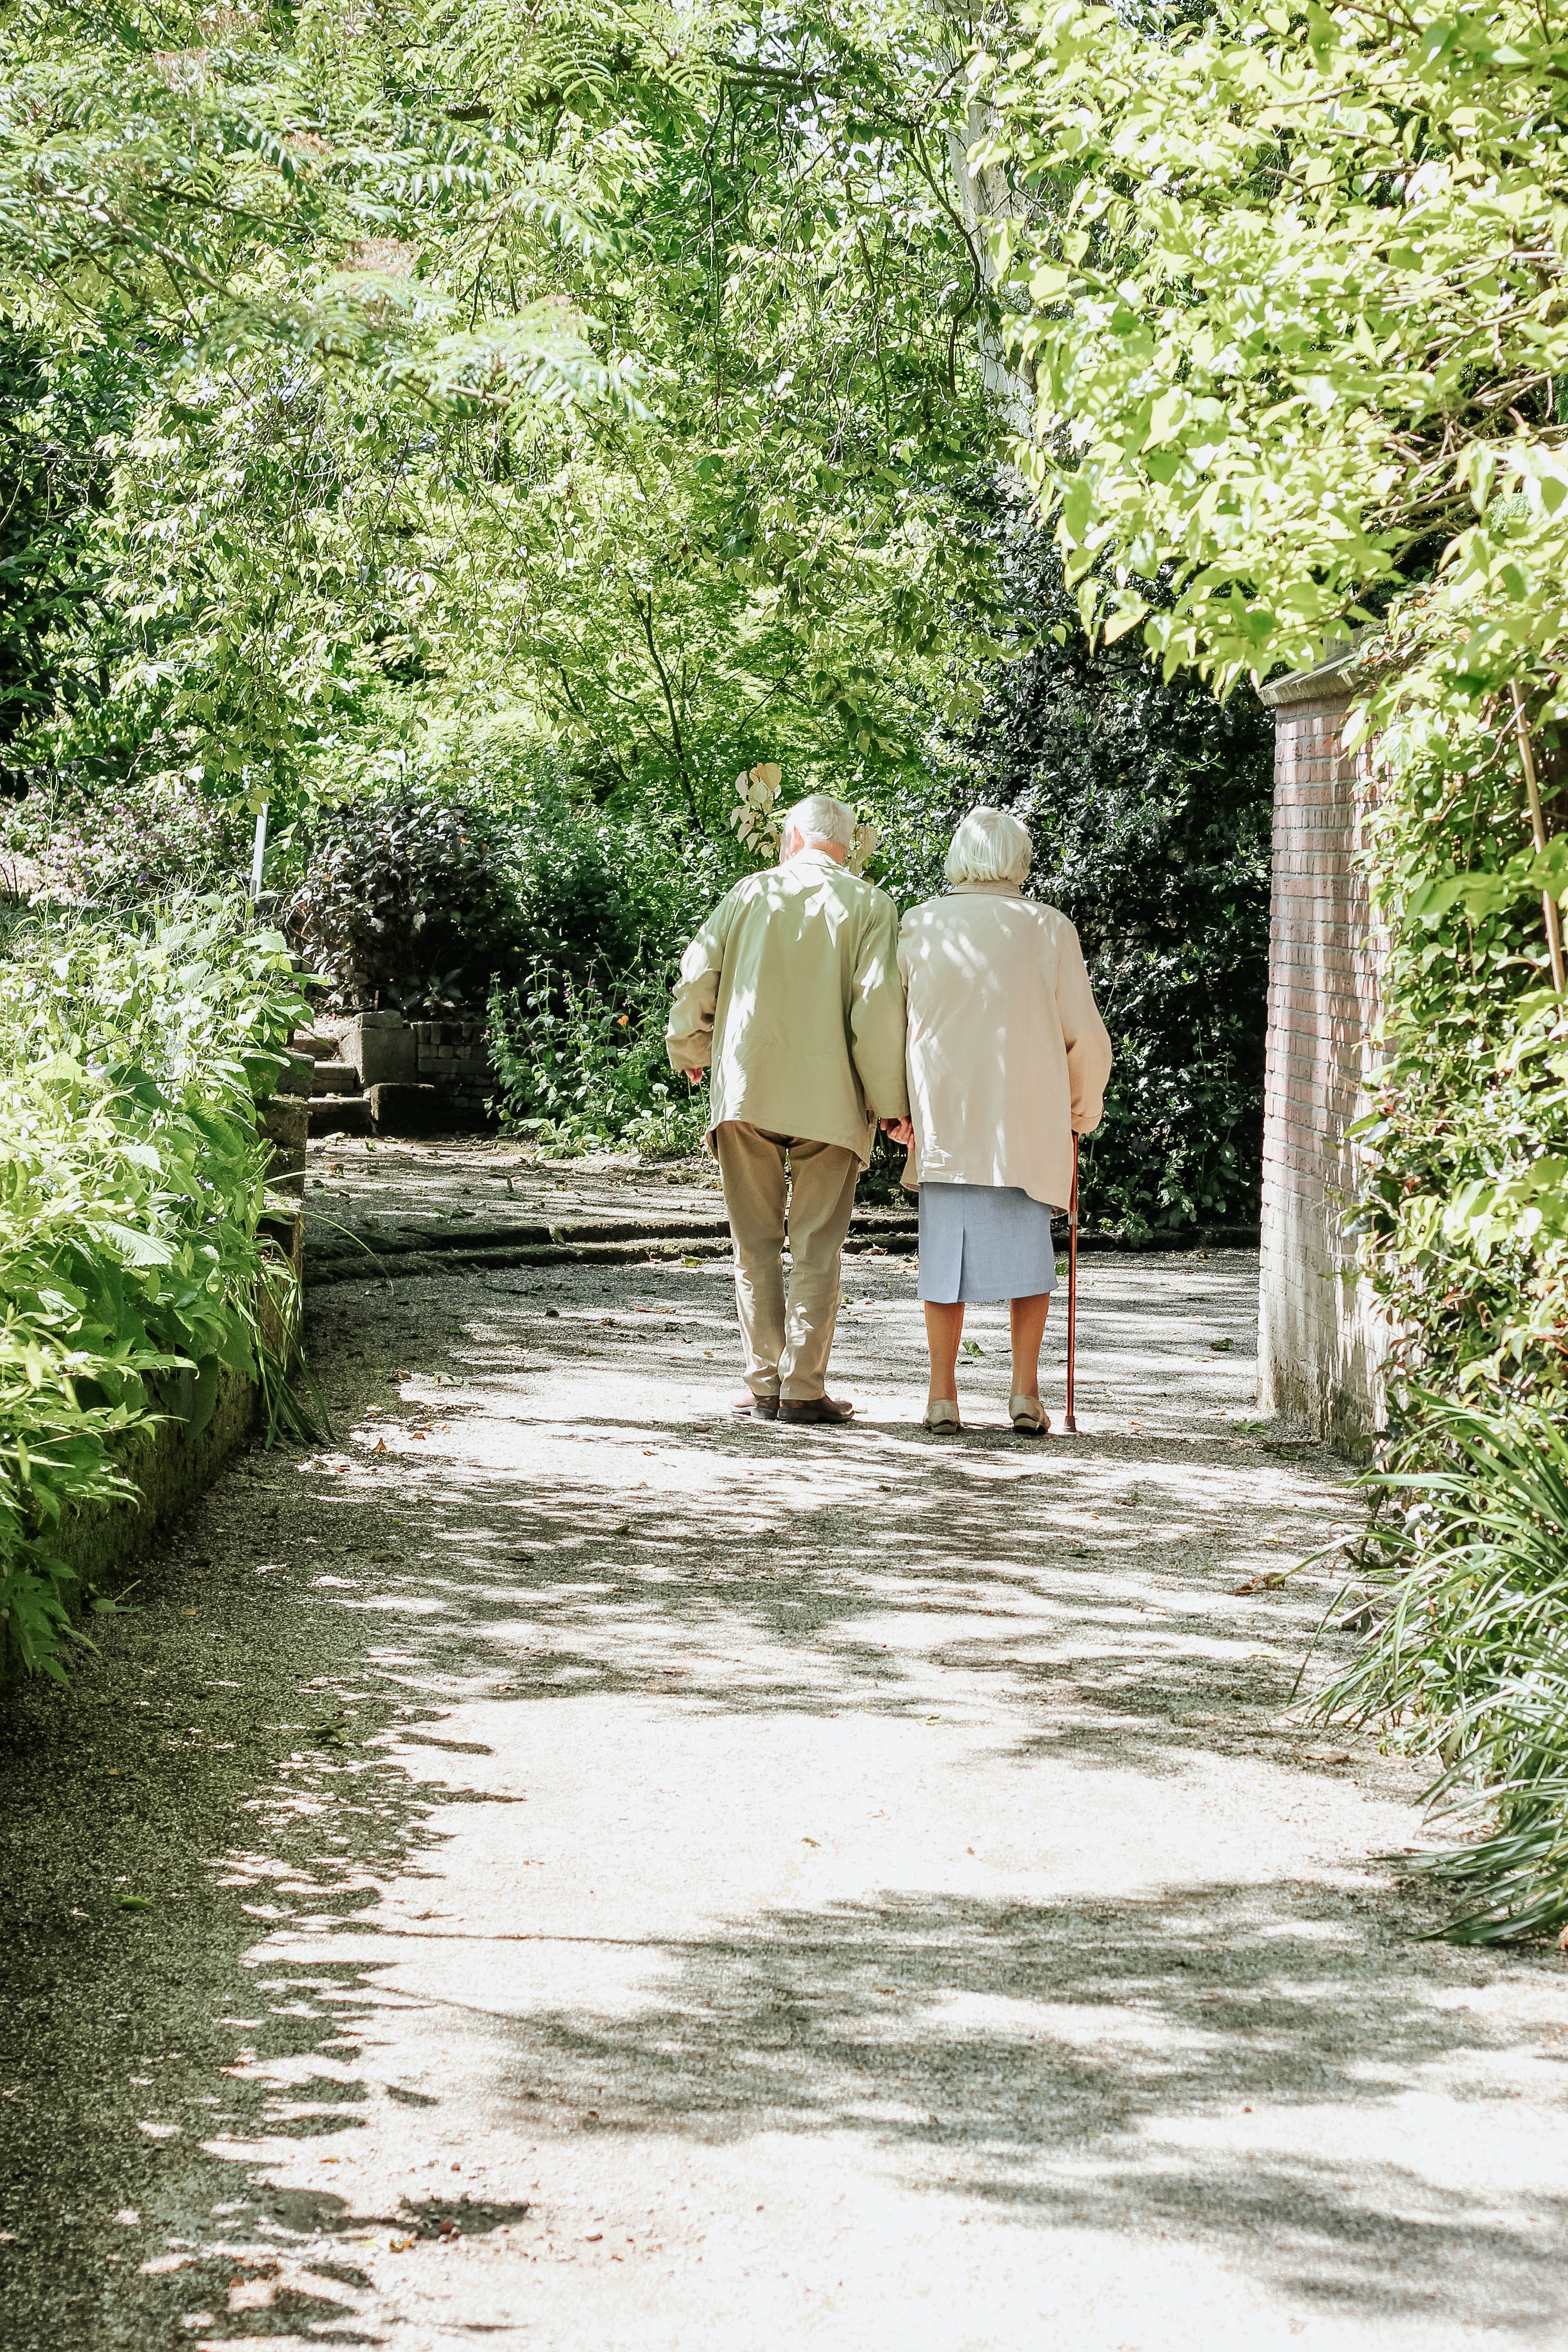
x=1320 y=1343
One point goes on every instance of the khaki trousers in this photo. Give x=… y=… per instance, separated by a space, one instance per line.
x=786 y=1341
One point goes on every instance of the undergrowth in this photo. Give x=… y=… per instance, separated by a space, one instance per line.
x=583 y=1068
x=131 y=1272
x=1467 y=1567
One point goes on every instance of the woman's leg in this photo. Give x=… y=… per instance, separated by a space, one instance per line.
x=944 y=1328
x=1028 y=1317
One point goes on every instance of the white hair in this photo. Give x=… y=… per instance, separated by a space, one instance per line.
x=989 y=847
x=819 y=818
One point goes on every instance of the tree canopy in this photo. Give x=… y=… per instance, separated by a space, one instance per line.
x=602 y=373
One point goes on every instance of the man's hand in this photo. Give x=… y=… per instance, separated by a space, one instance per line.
x=901 y=1131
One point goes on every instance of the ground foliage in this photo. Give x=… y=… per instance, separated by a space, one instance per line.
x=1464 y=1569
x=132 y=1272
x=1288 y=290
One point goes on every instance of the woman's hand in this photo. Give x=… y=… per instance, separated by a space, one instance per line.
x=901 y=1131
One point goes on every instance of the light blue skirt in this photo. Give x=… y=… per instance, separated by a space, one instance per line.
x=980 y=1243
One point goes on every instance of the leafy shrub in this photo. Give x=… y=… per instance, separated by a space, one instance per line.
x=113 y=848
x=1464 y=1213
x=1468 y=1567
x=406 y=903
x=130 y=1187
x=1151 y=806
x=585 y=1068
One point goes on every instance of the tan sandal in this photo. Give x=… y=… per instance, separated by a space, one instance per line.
x=942 y=1417
x=1029 y=1416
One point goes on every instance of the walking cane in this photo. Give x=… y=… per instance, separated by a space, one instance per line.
x=1070 y=1421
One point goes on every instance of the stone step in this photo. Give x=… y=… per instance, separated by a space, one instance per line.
x=340 y=1115
x=335 y=1078
x=316 y=1045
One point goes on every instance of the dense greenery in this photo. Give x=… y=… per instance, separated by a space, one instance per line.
x=1290 y=287
x=1149 y=803
x=131 y=1189
x=586 y=372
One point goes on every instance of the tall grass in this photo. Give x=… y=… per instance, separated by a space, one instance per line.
x=1468 y=1657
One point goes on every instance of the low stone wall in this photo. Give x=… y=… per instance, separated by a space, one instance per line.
x=171 y=1471
x=171 y=1467
x=451 y=1055
x=455 y=1056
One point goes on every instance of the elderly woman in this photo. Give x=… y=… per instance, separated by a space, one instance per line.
x=1008 y=1061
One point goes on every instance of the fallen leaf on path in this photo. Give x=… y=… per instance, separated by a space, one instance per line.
x=135 y=1903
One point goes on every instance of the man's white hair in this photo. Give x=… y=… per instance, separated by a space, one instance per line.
x=989 y=847
x=820 y=818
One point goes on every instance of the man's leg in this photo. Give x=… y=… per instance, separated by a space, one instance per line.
x=822 y=1197
x=753 y=1166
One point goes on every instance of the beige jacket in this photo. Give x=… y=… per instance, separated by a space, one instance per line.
x=790 y=993
x=1007 y=1056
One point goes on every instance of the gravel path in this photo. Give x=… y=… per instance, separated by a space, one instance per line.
x=603 y=1874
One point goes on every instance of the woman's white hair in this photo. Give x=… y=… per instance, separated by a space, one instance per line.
x=989 y=847
x=820 y=818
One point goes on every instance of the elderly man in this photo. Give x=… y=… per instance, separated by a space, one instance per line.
x=791 y=992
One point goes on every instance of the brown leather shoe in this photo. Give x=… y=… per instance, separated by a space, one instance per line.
x=765 y=1407
x=830 y=1411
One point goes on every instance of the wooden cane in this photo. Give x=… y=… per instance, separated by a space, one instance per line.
x=1069 y=1422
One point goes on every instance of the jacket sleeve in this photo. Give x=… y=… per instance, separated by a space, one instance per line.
x=1083 y=1033
x=689 y=1032
x=877 y=1012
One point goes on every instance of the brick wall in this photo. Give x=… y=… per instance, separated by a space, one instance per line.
x=455 y=1056
x=1320 y=1345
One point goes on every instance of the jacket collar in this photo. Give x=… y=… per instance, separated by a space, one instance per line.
x=818 y=859
x=991 y=889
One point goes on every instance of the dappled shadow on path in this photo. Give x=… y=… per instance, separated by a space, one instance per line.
x=505 y=1811
x=1215 y=2059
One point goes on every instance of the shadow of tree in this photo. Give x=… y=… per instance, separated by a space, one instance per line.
x=1089 y=2066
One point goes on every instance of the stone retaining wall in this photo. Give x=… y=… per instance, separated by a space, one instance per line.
x=454 y=1054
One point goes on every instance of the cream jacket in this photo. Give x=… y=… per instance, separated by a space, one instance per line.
x=1007 y=1056
x=790 y=993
